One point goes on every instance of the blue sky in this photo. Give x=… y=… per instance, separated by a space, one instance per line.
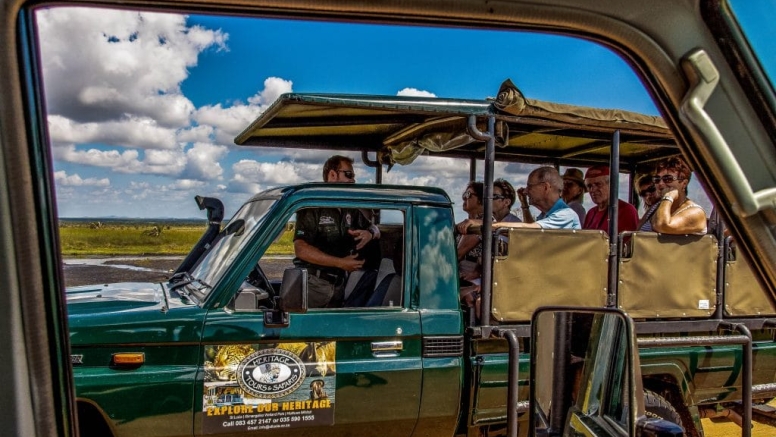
x=143 y=107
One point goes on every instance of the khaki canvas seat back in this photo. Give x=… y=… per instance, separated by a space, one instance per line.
x=549 y=267
x=744 y=296
x=667 y=276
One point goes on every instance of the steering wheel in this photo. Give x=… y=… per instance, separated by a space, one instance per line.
x=258 y=279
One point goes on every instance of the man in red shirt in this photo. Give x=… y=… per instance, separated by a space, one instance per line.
x=597 y=217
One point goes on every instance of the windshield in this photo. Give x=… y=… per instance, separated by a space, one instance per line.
x=240 y=230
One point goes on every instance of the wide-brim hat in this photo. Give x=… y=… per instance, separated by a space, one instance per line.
x=575 y=175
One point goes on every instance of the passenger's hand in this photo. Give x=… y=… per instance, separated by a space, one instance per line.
x=361 y=236
x=469 y=295
x=470 y=275
x=464 y=225
x=522 y=197
x=672 y=193
x=351 y=263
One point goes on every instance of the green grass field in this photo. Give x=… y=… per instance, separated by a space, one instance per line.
x=133 y=238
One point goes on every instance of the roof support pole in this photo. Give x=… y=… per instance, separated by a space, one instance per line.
x=373 y=163
x=614 y=189
x=513 y=379
x=472 y=169
x=746 y=379
x=487 y=220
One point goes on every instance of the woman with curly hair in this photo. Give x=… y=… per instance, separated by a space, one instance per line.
x=676 y=213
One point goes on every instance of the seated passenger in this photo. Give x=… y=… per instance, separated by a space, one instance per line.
x=470 y=246
x=597 y=217
x=574 y=191
x=676 y=213
x=503 y=199
x=543 y=190
x=648 y=193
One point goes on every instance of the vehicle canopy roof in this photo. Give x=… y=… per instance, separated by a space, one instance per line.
x=364 y=192
x=399 y=129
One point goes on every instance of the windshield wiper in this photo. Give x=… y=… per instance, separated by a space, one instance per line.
x=180 y=279
x=201 y=282
x=183 y=278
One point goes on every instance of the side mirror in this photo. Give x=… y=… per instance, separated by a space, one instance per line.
x=292 y=297
x=586 y=376
x=293 y=291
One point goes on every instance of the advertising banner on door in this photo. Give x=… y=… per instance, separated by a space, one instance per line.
x=265 y=387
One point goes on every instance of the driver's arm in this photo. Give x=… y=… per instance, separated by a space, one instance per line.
x=311 y=254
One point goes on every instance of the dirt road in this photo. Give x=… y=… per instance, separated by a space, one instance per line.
x=154 y=269
x=726 y=428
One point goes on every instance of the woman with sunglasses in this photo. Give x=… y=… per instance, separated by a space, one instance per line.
x=676 y=213
x=470 y=245
x=645 y=186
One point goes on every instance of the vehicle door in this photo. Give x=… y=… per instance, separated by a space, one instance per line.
x=343 y=370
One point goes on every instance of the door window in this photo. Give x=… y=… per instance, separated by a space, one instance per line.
x=335 y=235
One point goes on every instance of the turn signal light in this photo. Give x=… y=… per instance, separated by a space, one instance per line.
x=128 y=359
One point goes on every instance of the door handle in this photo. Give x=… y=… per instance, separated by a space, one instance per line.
x=381 y=349
x=704 y=78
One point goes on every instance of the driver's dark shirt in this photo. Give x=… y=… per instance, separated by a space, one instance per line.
x=327 y=230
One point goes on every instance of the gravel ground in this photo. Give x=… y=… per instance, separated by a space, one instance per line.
x=147 y=270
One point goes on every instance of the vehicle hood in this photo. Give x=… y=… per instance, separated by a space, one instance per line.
x=130 y=312
x=122 y=296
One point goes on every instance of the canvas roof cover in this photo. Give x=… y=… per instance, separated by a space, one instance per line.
x=400 y=129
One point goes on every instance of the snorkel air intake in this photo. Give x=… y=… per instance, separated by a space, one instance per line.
x=215 y=214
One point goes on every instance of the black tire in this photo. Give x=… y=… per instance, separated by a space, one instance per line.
x=658 y=407
x=91 y=423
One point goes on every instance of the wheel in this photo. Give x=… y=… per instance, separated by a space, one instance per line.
x=91 y=423
x=658 y=407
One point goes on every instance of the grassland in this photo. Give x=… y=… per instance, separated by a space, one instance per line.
x=84 y=238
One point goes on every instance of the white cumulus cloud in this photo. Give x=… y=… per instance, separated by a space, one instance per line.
x=251 y=176
x=63 y=179
x=230 y=121
x=127 y=64
x=414 y=92
x=142 y=133
x=202 y=161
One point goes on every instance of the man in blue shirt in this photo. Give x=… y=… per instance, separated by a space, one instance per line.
x=543 y=190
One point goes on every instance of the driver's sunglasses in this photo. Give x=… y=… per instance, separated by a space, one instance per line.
x=666 y=178
x=645 y=191
x=348 y=173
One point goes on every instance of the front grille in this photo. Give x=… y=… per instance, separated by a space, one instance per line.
x=443 y=347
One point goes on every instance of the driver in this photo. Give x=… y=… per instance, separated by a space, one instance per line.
x=326 y=240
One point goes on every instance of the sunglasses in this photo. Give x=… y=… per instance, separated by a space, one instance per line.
x=467 y=195
x=645 y=191
x=666 y=178
x=348 y=173
x=499 y=197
